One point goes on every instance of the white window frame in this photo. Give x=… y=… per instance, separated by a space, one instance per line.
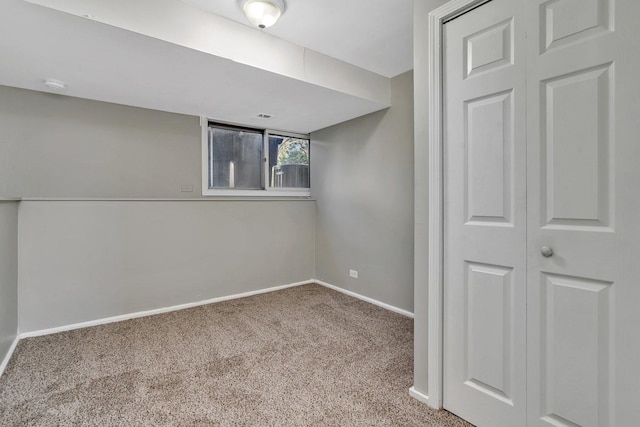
x=267 y=191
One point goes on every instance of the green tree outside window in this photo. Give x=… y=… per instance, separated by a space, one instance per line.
x=293 y=151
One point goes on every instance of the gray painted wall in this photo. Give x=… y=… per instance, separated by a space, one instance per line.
x=362 y=179
x=8 y=275
x=59 y=146
x=87 y=260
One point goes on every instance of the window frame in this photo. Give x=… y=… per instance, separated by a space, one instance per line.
x=266 y=191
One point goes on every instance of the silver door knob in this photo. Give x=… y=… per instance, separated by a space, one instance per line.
x=546 y=251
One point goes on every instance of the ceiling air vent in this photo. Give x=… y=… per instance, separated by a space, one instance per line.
x=264 y=116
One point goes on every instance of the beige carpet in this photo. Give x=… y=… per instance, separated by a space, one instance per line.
x=305 y=356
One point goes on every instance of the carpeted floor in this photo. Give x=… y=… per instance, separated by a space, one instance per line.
x=305 y=356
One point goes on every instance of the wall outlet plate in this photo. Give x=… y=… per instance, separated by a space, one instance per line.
x=353 y=273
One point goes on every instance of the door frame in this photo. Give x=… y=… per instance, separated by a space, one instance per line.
x=435 y=353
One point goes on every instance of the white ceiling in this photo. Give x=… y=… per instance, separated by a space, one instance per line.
x=195 y=63
x=376 y=35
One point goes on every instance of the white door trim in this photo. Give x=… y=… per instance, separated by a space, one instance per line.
x=437 y=18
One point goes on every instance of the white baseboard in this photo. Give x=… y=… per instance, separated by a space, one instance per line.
x=135 y=315
x=129 y=316
x=367 y=299
x=7 y=357
x=418 y=395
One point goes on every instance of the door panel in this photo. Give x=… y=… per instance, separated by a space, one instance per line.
x=488 y=159
x=567 y=21
x=489 y=48
x=488 y=325
x=575 y=139
x=583 y=198
x=485 y=225
x=576 y=329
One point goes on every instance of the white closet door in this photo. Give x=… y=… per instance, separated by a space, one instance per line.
x=485 y=225
x=584 y=203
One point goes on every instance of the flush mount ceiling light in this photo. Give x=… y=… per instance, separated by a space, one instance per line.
x=262 y=13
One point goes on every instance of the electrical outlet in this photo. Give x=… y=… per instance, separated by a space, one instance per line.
x=186 y=188
x=353 y=273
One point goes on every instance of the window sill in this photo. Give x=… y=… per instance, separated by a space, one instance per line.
x=257 y=193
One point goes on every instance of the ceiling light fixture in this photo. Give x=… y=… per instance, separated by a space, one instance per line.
x=262 y=13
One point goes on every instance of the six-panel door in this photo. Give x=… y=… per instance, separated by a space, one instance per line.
x=485 y=218
x=583 y=202
x=541 y=143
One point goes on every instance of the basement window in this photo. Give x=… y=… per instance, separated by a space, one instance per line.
x=239 y=161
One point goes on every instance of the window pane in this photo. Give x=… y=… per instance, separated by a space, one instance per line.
x=288 y=162
x=235 y=158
